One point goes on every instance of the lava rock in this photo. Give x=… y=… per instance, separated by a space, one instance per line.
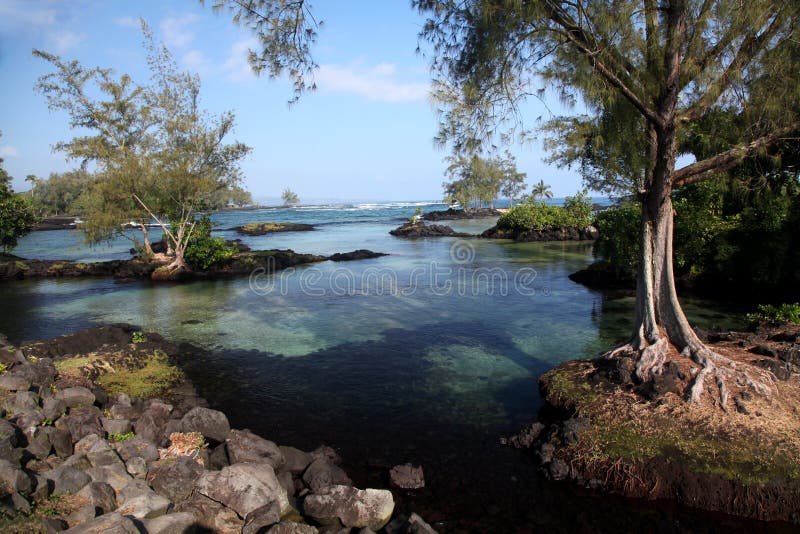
x=407 y=476
x=244 y=487
x=244 y=446
x=213 y=424
x=353 y=507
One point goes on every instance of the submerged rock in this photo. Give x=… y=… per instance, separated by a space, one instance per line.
x=407 y=476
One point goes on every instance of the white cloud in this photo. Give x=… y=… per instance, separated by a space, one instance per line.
x=377 y=83
x=24 y=16
x=176 y=30
x=8 y=151
x=236 y=67
x=64 y=41
x=128 y=22
x=197 y=62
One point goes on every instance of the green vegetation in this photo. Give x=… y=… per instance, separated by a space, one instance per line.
x=785 y=313
x=160 y=157
x=732 y=230
x=155 y=377
x=138 y=337
x=476 y=181
x=121 y=437
x=563 y=388
x=16 y=214
x=541 y=191
x=3 y=368
x=533 y=216
x=203 y=250
x=290 y=198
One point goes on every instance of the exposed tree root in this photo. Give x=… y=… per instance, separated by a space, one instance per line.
x=728 y=378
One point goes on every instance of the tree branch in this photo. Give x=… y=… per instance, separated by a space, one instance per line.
x=703 y=170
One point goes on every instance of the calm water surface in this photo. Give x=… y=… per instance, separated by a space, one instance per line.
x=427 y=355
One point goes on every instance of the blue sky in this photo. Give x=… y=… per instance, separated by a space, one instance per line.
x=365 y=134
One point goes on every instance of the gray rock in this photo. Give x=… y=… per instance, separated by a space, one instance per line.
x=323 y=452
x=321 y=474
x=558 y=469
x=102 y=454
x=114 y=475
x=287 y=482
x=75 y=397
x=218 y=458
x=97 y=498
x=61 y=440
x=174 y=479
x=353 y=507
x=13 y=478
x=142 y=502
x=39 y=443
x=138 y=446
x=244 y=487
x=177 y=523
x=546 y=452
x=124 y=411
x=52 y=525
x=212 y=424
x=42 y=489
x=417 y=525
x=295 y=460
x=8 y=433
x=78 y=461
x=262 y=517
x=53 y=408
x=407 y=476
x=84 y=445
x=113 y=523
x=527 y=436
x=29 y=421
x=14 y=382
x=67 y=479
x=136 y=467
x=152 y=422
x=211 y=515
x=81 y=422
x=21 y=401
x=20 y=503
x=290 y=527
x=116 y=426
x=244 y=446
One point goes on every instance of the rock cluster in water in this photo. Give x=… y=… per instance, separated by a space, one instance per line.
x=588 y=233
x=112 y=463
x=420 y=229
x=453 y=214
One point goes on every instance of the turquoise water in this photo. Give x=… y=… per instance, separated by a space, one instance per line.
x=426 y=355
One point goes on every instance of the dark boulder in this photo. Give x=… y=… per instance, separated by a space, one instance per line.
x=426 y=230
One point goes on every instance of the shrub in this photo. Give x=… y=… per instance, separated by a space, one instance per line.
x=538 y=215
x=785 y=313
x=138 y=337
x=618 y=243
x=203 y=250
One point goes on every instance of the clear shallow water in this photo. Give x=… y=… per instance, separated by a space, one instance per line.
x=426 y=355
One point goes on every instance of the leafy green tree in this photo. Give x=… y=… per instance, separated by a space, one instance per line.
x=513 y=182
x=160 y=156
x=16 y=215
x=60 y=193
x=290 y=198
x=649 y=72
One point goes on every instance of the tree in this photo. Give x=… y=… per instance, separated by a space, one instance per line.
x=541 y=191
x=159 y=155
x=289 y=197
x=513 y=183
x=649 y=72
x=16 y=216
x=61 y=193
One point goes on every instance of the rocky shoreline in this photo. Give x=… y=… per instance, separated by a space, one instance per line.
x=601 y=430
x=243 y=263
x=81 y=453
x=264 y=228
x=589 y=233
x=420 y=229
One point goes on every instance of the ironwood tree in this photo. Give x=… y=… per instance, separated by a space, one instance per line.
x=649 y=73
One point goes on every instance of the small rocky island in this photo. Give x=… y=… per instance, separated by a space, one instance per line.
x=451 y=214
x=103 y=432
x=587 y=233
x=420 y=229
x=263 y=228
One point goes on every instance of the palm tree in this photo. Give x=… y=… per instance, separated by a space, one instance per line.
x=541 y=191
x=290 y=198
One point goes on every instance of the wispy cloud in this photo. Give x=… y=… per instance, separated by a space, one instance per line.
x=197 y=62
x=236 y=67
x=378 y=83
x=128 y=22
x=64 y=41
x=19 y=15
x=177 y=32
x=8 y=151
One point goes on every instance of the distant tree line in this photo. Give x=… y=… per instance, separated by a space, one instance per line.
x=477 y=182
